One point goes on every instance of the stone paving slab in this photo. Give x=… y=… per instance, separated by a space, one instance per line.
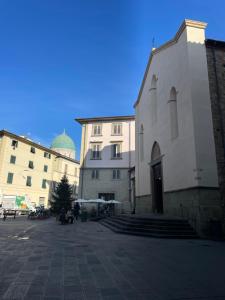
x=44 y=260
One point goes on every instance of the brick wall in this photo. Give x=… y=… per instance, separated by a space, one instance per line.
x=216 y=71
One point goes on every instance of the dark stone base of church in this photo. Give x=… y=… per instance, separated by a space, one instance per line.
x=201 y=206
x=151 y=226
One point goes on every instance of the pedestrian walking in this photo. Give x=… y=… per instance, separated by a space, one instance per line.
x=70 y=216
x=76 y=210
x=4 y=215
x=62 y=216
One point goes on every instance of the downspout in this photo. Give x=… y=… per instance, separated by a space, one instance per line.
x=82 y=168
x=129 y=185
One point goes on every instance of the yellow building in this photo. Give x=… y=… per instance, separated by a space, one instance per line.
x=28 y=169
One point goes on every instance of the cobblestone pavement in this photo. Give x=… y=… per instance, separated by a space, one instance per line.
x=45 y=260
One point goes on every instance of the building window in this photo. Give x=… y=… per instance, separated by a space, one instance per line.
x=75 y=188
x=95 y=174
x=12 y=159
x=32 y=149
x=173 y=113
x=28 y=183
x=48 y=155
x=153 y=100
x=117 y=129
x=54 y=186
x=97 y=129
x=41 y=201
x=116 y=174
x=96 y=151
x=141 y=142
x=14 y=144
x=65 y=169
x=116 y=151
x=75 y=172
x=31 y=164
x=10 y=178
x=44 y=181
x=45 y=168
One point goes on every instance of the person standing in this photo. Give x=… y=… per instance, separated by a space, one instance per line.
x=4 y=215
x=70 y=217
x=76 y=210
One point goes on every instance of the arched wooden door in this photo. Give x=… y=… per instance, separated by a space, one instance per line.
x=156 y=179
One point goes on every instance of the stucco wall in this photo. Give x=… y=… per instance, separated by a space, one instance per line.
x=21 y=170
x=56 y=167
x=128 y=145
x=181 y=65
x=105 y=184
x=89 y=188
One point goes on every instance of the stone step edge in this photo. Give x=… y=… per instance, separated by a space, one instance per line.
x=150 y=234
x=145 y=230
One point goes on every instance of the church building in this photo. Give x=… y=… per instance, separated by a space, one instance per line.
x=180 y=115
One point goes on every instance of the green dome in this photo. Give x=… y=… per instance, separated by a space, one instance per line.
x=63 y=141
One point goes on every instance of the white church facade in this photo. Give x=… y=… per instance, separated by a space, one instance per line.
x=176 y=164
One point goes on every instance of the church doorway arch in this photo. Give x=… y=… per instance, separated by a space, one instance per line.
x=156 y=179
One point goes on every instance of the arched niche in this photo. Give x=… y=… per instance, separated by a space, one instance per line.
x=156 y=153
x=141 y=134
x=153 y=99
x=173 y=113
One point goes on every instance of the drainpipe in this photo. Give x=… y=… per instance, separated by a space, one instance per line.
x=129 y=185
x=83 y=157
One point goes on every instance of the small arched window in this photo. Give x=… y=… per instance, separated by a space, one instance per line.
x=141 y=134
x=173 y=113
x=153 y=100
x=156 y=153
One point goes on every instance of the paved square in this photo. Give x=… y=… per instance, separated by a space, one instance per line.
x=45 y=260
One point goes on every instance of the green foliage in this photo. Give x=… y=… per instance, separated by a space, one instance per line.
x=62 y=197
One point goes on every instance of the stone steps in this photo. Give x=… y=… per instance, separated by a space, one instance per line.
x=152 y=227
x=134 y=222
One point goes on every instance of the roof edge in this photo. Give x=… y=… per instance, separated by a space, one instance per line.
x=100 y=119
x=32 y=143
x=214 y=43
x=174 y=40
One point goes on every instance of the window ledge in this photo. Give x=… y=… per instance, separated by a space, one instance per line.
x=116 y=134
x=95 y=159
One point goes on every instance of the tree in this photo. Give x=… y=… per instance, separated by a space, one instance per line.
x=62 y=197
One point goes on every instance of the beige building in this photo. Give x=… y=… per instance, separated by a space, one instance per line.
x=107 y=154
x=28 y=169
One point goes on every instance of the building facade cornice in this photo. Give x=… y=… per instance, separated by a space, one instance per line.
x=105 y=119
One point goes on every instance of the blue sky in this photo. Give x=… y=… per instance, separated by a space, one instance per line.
x=63 y=59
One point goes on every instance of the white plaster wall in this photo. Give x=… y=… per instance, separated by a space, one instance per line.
x=201 y=108
x=67 y=152
x=105 y=184
x=128 y=146
x=173 y=66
